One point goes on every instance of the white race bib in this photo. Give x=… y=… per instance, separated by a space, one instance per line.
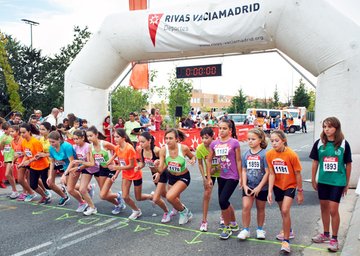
x=99 y=158
x=280 y=167
x=330 y=164
x=221 y=151
x=28 y=152
x=253 y=162
x=174 y=167
x=7 y=148
x=149 y=163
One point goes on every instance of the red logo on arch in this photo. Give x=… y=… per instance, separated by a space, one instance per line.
x=153 y=21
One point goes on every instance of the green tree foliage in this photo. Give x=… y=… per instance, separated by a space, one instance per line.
x=180 y=92
x=238 y=103
x=125 y=100
x=41 y=79
x=276 y=98
x=301 y=97
x=7 y=81
x=312 y=96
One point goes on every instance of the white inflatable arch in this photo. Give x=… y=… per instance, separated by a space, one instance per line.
x=313 y=33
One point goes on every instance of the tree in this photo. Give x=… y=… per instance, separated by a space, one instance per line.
x=8 y=80
x=312 y=96
x=301 y=97
x=276 y=98
x=180 y=92
x=238 y=103
x=125 y=100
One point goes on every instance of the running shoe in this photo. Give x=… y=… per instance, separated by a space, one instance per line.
x=165 y=218
x=280 y=236
x=173 y=212
x=121 y=201
x=234 y=227
x=320 y=238
x=45 y=200
x=63 y=200
x=244 y=234
x=135 y=215
x=21 y=197
x=204 y=226
x=260 y=234
x=333 y=245
x=48 y=193
x=226 y=233
x=285 y=247
x=92 y=190
x=2 y=185
x=82 y=207
x=221 y=226
x=90 y=211
x=14 y=195
x=185 y=216
x=116 y=210
x=30 y=197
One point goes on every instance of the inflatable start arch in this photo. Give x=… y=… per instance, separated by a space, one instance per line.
x=313 y=33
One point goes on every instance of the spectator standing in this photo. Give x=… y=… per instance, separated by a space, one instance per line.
x=144 y=120
x=120 y=123
x=303 y=123
x=284 y=122
x=129 y=128
x=52 y=117
x=158 y=120
x=107 y=127
x=61 y=115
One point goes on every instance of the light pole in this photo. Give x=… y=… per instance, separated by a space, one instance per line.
x=31 y=23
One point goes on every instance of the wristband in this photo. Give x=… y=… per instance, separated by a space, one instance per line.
x=300 y=190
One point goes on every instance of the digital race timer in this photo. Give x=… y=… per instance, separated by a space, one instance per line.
x=198 y=71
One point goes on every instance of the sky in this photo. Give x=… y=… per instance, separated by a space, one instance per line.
x=256 y=74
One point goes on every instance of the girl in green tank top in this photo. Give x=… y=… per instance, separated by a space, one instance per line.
x=172 y=157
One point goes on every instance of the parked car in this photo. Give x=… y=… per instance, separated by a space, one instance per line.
x=237 y=118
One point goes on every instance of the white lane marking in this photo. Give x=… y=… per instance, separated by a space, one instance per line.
x=76 y=233
x=305 y=146
x=80 y=239
x=32 y=249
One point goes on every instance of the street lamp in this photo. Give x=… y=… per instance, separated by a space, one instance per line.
x=31 y=23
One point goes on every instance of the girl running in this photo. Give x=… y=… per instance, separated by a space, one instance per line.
x=331 y=156
x=28 y=194
x=255 y=174
x=126 y=155
x=63 y=153
x=84 y=164
x=202 y=153
x=226 y=151
x=172 y=157
x=5 y=145
x=100 y=152
x=38 y=166
x=285 y=177
x=149 y=154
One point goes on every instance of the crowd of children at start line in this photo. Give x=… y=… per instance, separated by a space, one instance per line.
x=263 y=176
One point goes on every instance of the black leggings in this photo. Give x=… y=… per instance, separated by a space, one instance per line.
x=34 y=178
x=226 y=189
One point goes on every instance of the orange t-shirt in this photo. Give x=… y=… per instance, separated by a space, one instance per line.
x=30 y=149
x=284 y=164
x=18 y=150
x=124 y=157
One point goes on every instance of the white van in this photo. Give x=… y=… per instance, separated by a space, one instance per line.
x=237 y=118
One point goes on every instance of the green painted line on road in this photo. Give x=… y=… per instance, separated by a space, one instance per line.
x=198 y=232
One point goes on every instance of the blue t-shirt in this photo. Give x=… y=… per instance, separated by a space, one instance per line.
x=62 y=157
x=255 y=165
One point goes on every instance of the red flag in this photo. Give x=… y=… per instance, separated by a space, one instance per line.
x=139 y=78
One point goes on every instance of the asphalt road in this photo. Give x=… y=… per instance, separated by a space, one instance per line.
x=32 y=229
